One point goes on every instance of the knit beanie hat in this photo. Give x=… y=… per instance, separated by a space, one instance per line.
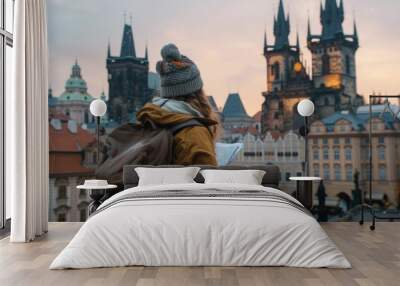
x=179 y=75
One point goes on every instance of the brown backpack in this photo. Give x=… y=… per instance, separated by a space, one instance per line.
x=134 y=144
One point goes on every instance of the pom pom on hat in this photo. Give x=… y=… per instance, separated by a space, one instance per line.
x=179 y=75
x=170 y=52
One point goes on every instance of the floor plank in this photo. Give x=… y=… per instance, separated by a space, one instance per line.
x=375 y=257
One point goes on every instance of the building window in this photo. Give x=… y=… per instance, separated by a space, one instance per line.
x=349 y=172
x=347 y=140
x=326 y=172
x=338 y=175
x=365 y=172
x=381 y=140
x=326 y=153
x=86 y=117
x=348 y=65
x=325 y=141
x=348 y=154
x=62 y=192
x=316 y=154
x=288 y=175
x=316 y=171
x=382 y=172
x=381 y=153
x=336 y=153
x=315 y=141
x=325 y=64
x=276 y=71
x=336 y=141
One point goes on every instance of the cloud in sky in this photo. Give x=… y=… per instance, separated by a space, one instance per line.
x=224 y=38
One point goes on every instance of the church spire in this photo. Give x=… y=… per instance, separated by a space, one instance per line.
x=355 y=32
x=308 y=30
x=146 y=53
x=341 y=9
x=281 y=28
x=109 y=49
x=332 y=17
x=297 y=41
x=128 y=44
x=265 y=42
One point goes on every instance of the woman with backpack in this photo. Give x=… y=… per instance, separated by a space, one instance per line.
x=183 y=101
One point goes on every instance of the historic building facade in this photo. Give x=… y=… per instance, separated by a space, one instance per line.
x=128 y=80
x=332 y=86
x=286 y=151
x=339 y=147
x=71 y=161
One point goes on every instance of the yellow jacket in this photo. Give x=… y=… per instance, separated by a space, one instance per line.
x=192 y=145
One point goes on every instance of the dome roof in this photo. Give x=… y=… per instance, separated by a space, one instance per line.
x=76 y=83
x=75 y=96
x=75 y=87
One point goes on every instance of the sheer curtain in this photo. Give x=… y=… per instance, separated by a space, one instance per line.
x=27 y=124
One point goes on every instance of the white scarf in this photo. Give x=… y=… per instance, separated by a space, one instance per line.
x=176 y=106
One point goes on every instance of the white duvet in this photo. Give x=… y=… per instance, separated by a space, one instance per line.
x=200 y=231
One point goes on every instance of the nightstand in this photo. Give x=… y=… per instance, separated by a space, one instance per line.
x=304 y=189
x=98 y=194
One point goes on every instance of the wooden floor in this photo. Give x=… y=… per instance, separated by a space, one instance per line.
x=375 y=257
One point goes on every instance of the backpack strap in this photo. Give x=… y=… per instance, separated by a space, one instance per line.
x=190 y=123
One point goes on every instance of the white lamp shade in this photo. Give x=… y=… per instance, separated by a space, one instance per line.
x=305 y=107
x=98 y=107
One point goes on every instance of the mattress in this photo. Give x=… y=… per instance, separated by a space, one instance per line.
x=201 y=225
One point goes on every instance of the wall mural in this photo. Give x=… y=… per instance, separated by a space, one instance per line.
x=109 y=73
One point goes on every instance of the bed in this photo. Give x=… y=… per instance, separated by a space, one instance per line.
x=199 y=224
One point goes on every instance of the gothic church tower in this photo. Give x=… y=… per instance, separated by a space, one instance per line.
x=287 y=79
x=127 y=80
x=333 y=62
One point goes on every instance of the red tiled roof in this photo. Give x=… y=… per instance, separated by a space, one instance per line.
x=65 y=150
x=67 y=164
x=64 y=140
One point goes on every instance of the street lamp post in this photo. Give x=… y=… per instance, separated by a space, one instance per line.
x=98 y=108
x=306 y=109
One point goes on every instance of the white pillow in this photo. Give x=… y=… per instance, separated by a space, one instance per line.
x=248 y=177
x=166 y=176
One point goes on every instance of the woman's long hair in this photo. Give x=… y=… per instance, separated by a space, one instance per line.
x=199 y=101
